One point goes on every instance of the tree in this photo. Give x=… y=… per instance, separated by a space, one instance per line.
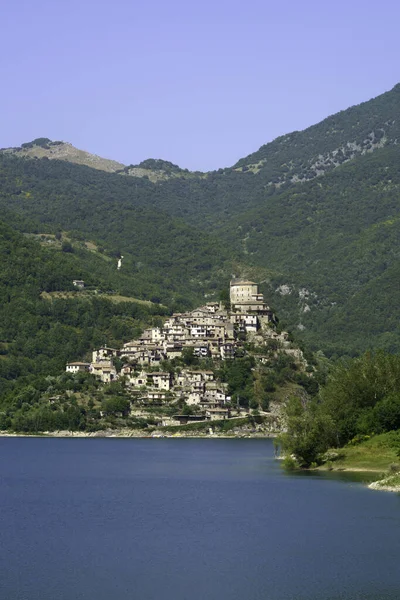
x=308 y=432
x=116 y=406
x=355 y=387
x=67 y=247
x=188 y=357
x=224 y=297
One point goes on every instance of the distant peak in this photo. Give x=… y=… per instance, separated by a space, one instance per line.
x=157 y=164
x=45 y=148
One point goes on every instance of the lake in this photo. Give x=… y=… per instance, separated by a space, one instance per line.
x=176 y=519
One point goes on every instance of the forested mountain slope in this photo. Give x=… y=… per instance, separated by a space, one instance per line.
x=335 y=243
x=171 y=260
x=314 y=214
x=40 y=332
x=303 y=155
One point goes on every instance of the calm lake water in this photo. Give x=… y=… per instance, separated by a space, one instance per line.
x=108 y=519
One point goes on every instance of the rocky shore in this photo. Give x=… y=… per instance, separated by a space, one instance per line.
x=388 y=484
x=135 y=433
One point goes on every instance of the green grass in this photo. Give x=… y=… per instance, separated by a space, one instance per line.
x=116 y=298
x=374 y=454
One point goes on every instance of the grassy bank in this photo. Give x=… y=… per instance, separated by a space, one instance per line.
x=374 y=454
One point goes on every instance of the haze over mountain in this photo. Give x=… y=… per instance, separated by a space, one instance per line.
x=313 y=214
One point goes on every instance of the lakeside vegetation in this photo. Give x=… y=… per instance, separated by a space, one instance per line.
x=372 y=453
x=353 y=423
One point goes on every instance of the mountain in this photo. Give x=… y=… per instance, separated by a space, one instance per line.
x=45 y=148
x=332 y=245
x=152 y=169
x=171 y=261
x=314 y=214
x=304 y=155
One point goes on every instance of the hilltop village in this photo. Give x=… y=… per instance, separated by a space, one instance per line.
x=210 y=332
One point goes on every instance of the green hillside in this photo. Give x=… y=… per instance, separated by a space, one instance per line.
x=303 y=155
x=170 y=260
x=337 y=238
x=314 y=215
x=37 y=335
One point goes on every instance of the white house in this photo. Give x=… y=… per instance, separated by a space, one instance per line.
x=76 y=367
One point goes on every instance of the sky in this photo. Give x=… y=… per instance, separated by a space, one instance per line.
x=201 y=84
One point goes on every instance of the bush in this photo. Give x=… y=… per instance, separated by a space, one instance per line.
x=67 y=247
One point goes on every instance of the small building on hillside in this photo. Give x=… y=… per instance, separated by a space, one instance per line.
x=216 y=414
x=159 y=380
x=76 y=367
x=105 y=371
x=79 y=283
x=227 y=350
x=104 y=354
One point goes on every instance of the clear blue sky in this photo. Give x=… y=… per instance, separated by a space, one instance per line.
x=198 y=83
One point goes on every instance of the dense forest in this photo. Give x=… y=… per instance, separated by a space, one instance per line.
x=163 y=253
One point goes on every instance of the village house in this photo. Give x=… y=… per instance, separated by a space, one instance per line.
x=105 y=371
x=157 y=334
x=159 y=380
x=216 y=414
x=213 y=307
x=104 y=354
x=206 y=403
x=214 y=349
x=245 y=322
x=134 y=379
x=76 y=367
x=155 y=396
x=149 y=355
x=79 y=283
x=227 y=350
x=193 y=398
x=147 y=337
x=216 y=392
x=173 y=350
x=200 y=349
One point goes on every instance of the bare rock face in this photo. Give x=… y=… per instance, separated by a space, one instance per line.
x=45 y=148
x=154 y=170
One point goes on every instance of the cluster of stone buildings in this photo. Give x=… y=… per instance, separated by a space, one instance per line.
x=211 y=331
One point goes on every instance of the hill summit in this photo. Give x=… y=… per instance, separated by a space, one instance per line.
x=45 y=148
x=154 y=169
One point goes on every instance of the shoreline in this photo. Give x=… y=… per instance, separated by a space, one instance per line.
x=134 y=434
x=381 y=485
x=385 y=485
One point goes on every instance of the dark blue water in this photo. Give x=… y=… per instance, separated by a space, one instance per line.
x=186 y=520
